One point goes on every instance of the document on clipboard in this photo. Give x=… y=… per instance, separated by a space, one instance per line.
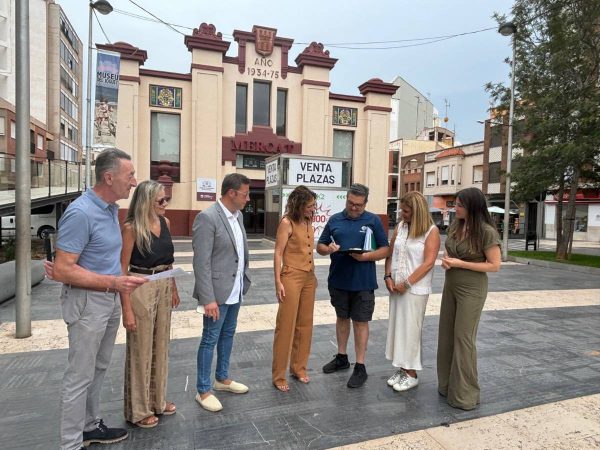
x=368 y=244
x=166 y=274
x=353 y=250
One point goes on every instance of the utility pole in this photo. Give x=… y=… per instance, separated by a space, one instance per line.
x=23 y=175
x=417 y=121
x=509 y=29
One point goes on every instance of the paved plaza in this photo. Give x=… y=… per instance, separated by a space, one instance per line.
x=539 y=370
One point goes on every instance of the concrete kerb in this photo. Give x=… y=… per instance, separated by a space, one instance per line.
x=8 y=278
x=555 y=265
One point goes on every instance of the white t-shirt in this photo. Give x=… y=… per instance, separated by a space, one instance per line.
x=236 y=292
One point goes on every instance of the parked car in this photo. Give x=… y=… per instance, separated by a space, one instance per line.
x=438 y=219
x=43 y=220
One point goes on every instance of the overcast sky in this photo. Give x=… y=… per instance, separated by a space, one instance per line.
x=455 y=69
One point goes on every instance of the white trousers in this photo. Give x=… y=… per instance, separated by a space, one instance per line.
x=405 y=324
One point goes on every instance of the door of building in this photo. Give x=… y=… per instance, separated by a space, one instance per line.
x=254 y=213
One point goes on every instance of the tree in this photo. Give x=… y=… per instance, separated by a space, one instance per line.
x=557 y=103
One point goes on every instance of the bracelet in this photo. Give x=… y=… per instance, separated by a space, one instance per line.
x=114 y=286
x=407 y=284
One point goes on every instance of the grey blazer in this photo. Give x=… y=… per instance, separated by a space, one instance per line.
x=215 y=256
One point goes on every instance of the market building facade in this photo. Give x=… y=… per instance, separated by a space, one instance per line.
x=189 y=130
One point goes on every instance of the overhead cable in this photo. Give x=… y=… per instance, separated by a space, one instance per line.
x=342 y=45
x=103 y=32
x=433 y=39
x=157 y=18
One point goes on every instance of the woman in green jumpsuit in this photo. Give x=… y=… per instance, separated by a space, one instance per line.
x=472 y=249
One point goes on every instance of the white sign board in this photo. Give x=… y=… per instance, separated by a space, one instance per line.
x=206 y=189
x=271 y=174
x=328 y=204
x=314 y=172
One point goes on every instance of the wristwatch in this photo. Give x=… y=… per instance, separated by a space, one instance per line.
x=386 y=276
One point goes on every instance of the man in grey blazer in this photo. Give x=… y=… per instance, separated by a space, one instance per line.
x=221 y=279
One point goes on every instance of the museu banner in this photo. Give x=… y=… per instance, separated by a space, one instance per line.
x=107 y=95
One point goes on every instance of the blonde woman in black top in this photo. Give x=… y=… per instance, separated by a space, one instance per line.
x=147 y=249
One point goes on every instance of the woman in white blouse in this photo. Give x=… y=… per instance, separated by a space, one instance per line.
x=408 y=274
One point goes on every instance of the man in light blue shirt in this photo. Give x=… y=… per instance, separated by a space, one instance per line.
x=88 y=252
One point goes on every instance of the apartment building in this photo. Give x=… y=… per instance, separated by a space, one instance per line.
x=445 y=172
x=39 y=132
x=412 y=111
x=405 y=164
x=65 y=86
x=55 y=83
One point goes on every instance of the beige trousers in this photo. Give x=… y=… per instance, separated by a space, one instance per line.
x=147 y=350
x=293 y=328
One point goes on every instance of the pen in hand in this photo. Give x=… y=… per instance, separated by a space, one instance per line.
x=333 y=247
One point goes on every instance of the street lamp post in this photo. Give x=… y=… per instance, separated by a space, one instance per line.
x=509 y=29
x=23 y=173
x=103 y=7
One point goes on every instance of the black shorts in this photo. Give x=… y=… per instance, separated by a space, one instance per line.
x=355 y=305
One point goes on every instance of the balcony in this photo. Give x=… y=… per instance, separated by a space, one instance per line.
x=49 y=178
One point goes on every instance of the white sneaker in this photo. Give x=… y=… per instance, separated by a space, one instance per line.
x=397 y=377
x=406 y=383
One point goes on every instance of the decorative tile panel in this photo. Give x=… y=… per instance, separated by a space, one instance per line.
x=165 y=96
x=344 y=116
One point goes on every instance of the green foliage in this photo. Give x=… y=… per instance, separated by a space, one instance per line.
x=10 y=249
x=557 y=97
x=575 y=258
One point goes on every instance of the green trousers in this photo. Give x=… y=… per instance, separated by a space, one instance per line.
x=463 y=298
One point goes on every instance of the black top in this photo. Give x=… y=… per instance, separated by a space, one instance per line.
x=161 y=249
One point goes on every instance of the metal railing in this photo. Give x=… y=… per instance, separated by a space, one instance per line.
x=49 y=178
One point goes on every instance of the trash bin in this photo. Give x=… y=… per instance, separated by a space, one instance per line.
x=531 y=239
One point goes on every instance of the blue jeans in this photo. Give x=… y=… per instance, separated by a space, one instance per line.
x=219 y=333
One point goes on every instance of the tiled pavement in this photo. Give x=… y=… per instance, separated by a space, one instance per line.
x=512 y=277
x=527 y=357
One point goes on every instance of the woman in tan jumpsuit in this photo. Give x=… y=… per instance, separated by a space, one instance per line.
x=295 y=285
x=472 y=249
